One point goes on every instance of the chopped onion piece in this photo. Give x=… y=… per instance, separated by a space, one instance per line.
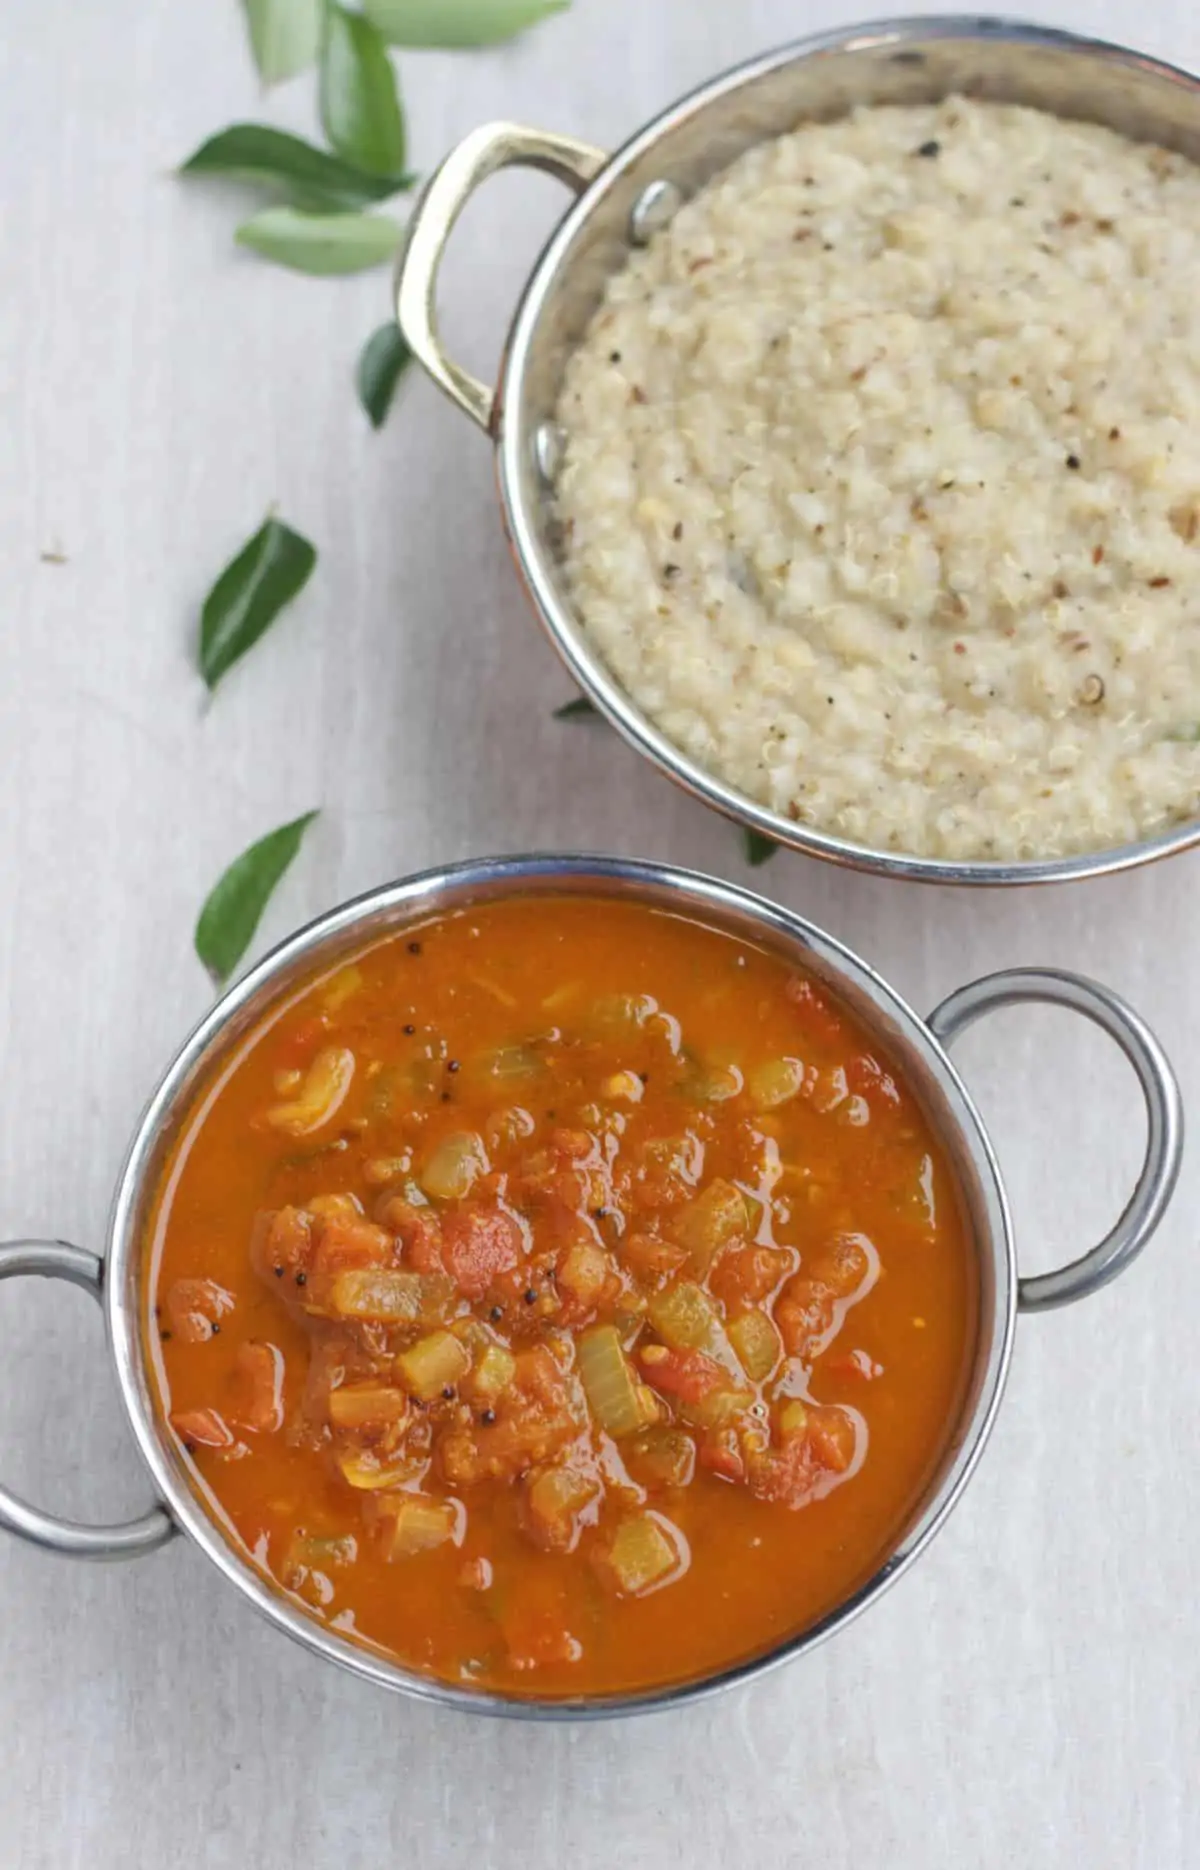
x=716 y=1216
x=389 y=1298
x=321 y=1094
x=455 y=1165
x=432 y=1364
x=494 y=1372
x=776 y=1082
x=414 y=1523
x=662 y=1457
x=609 y=1383
x=685 y=1318
x=366 y=1406
x=368 y=1472
x=757 y=1343
x=555 y=1499
x=644 y=1551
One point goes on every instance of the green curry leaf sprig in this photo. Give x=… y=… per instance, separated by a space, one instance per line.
x=322 y=215
x=284 y=34
x=235 y=904
x=457 y=23
x=278 y=163
x=757 y=848
x=385 y=357
x=270 y=570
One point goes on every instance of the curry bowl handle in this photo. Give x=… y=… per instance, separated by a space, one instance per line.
x=1164 y=1115
x=55 y=1259
x=493 y=147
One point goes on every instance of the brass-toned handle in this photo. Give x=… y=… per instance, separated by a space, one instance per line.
x=1164 y=1115
x=56 y=1259
x=495 y=146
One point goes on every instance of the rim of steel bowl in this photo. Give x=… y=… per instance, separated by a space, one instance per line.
x=957 y=1122
x=514 y=444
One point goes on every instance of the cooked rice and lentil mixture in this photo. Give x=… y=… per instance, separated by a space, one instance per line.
x=881 y=485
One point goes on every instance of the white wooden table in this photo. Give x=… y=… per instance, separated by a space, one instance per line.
x=1029 y=1694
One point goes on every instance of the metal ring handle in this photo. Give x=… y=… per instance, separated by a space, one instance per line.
x=55 y=1259
x=1164 y=1115
x=494 y=146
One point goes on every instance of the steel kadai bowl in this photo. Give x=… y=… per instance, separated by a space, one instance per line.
x=623 y=199
x=919 y=1046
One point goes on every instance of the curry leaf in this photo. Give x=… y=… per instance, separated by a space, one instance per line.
x=581 y=709
x=285 y=35
x=322 y=244
x=757 y=848
x=249 y=595
x=236 y=902
x=456 y=23
x=360 y=107
x=384 y=360
x=309 y=177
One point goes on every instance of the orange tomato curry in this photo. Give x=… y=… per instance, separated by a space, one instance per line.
x=562 y=1297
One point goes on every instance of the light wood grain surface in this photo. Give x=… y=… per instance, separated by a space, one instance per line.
x=1028 y=1695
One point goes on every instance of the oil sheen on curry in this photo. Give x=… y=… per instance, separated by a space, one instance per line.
x=562 y=1297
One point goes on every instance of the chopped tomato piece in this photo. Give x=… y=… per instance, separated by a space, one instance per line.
x=423 y=1244
x=689 y=1375
x=657 y=1192
x=258 y=1377
x=786 y=1476
x=720 y=1452
x=744 y=1276
x=348 y=1242
x=866 y=1075
x=848 y=1268
x=649 y=1258
x=579 y=1189
x=202 y=1427
x=569 y=1172
x=477 y=1246
x=281 y=1245
x=832 y=1436
x=538 y=1376
x=806 y=1315
x=195 y=1308
x=419 y=1232
x=532 y=1420
x=817 y=1444
x=817 y=1017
